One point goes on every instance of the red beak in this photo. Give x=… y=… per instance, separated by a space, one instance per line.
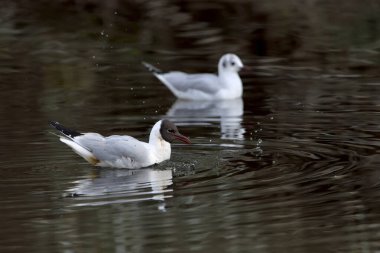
x=182 y=138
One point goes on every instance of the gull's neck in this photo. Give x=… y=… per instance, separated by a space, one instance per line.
x=231 y=81
x=158 y=145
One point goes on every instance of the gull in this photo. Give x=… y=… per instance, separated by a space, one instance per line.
x=226 y=85
x=123 y=151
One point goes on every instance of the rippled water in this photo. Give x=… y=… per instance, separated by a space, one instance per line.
x=290 y=167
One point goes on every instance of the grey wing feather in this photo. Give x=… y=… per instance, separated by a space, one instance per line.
x=113 y=147
x=208 y=83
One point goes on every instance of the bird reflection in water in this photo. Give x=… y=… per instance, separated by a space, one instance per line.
x=230 y=113
x=110 y=186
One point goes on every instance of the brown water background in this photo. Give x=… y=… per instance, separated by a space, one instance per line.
x=293 y=166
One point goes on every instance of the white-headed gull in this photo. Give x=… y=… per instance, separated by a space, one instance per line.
x=226 y=85
x=122 y=151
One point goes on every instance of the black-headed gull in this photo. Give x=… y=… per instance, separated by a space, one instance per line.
x=226 y=85
x=122 y=151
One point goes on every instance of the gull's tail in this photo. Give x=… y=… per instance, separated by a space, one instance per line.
x=152 y=68
x=68 y=138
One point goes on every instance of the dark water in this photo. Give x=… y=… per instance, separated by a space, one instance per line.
x=293 y=166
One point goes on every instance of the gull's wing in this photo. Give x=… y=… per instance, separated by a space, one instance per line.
x=116 y=149
x=188 y=86
x=182 y=82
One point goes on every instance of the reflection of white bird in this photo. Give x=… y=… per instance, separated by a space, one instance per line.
x=226 y=85
x=229 y=112
x=123 y=151
x=127 y=182
x=107 y=187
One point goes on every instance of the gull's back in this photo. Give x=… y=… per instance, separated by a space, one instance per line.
x=187 y=86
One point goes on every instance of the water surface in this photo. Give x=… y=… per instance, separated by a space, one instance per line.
x=290 y=167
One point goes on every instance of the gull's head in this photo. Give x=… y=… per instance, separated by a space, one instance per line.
x=170 y=133
x=230 y=62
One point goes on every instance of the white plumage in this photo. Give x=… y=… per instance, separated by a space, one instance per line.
x=122 y=151
x=226 y=85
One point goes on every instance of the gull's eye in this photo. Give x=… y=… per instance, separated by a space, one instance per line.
x=232 y=63
x=172 y=131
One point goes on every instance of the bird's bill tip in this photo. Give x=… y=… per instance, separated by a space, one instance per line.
x=182 y=138
x=246 y=69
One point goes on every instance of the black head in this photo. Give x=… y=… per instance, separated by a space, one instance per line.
x=170 y=133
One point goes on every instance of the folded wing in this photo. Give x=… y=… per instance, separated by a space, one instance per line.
x=181 y=83
x=116 y=150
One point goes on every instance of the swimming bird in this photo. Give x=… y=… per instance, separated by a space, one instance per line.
x=123 y=151
x=226 y=85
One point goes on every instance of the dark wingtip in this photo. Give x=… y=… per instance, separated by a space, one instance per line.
x=68 y=132
x=53 y=123
x=152 y=68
